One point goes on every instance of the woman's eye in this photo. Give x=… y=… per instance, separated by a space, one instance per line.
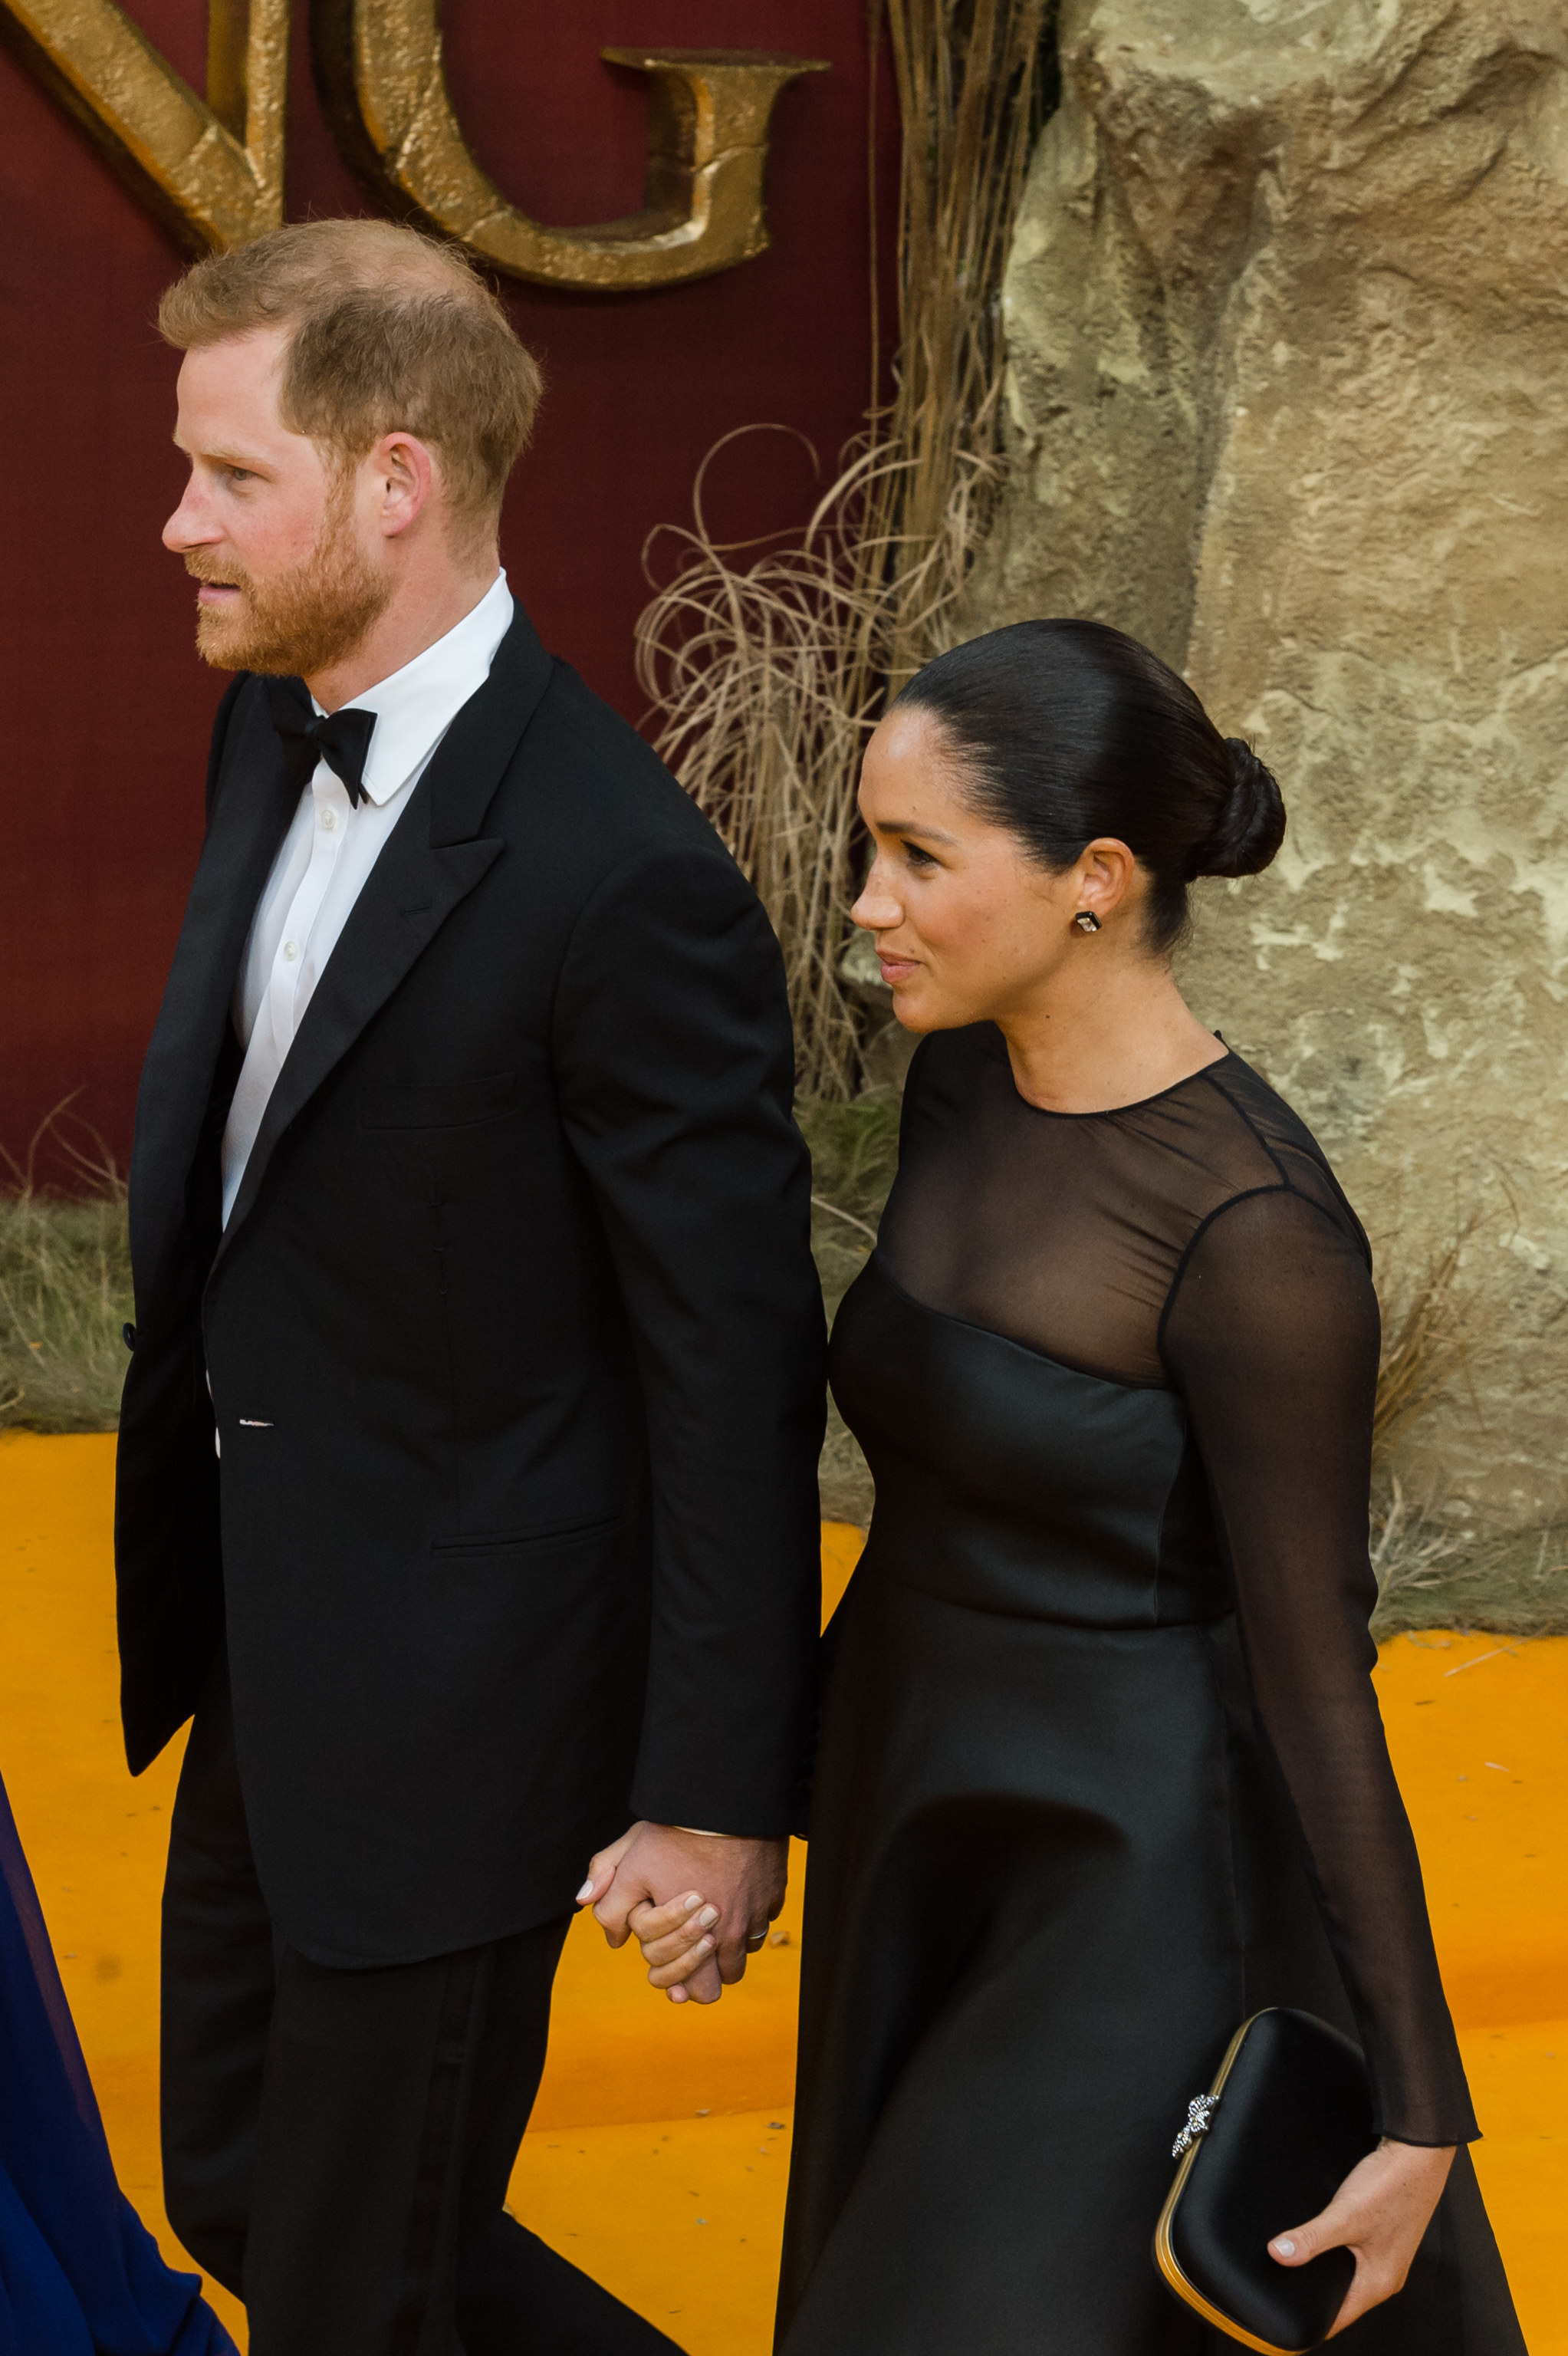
x=917 y=857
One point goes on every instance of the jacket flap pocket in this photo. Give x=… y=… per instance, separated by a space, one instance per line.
x=540 y=1534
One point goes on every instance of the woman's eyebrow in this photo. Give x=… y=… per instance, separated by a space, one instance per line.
x=910 y=826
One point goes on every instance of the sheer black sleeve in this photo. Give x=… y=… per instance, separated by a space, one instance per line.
x=1271 y=1334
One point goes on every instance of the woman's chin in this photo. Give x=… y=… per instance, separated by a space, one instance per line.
x=917 y=1010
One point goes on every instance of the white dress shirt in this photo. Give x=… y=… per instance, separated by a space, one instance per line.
x=330 y=848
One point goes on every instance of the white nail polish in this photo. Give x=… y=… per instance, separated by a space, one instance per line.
x=585 y=1893
x=1286 y=2246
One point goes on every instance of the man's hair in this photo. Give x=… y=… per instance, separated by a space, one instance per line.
x=390 y=331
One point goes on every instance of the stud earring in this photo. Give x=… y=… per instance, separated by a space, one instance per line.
x=1087 y=921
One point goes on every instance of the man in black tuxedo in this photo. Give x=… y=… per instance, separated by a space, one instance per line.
x=467 y=1467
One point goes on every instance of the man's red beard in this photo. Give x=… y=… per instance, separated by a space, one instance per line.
x=305 y=620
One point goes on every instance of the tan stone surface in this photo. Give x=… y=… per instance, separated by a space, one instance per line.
x=1288 y=311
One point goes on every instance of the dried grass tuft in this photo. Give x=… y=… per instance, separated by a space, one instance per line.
x=1429 y=1347
x=766 y=676
x=853 y=1153
x=1430 y=1576
x=65 y=1289
x=1411 y=1549
x=766 y=681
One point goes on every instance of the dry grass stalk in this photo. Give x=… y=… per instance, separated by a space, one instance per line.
x=1432 y=1576
x=766 y=682
x=1411 y=1549
x=766 y=677
x=967 y=74
x=1428 y=1347
x=65 y=1289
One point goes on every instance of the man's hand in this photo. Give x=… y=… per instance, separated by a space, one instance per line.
x=1380 y=2213
x=723 y=1892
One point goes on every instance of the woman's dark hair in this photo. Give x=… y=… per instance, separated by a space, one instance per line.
x=1069 y=730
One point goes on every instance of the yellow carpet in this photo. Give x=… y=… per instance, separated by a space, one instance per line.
x=658 y=2149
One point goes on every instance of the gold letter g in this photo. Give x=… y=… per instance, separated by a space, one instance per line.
x=379 y=65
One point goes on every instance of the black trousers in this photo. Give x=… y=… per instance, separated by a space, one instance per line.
x=337 y=2143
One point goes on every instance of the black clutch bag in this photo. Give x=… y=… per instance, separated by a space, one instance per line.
x=1286 y=2120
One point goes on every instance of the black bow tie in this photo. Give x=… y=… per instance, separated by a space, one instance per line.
x=341 y=740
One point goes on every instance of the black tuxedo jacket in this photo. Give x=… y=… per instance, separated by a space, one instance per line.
x=513 y=1341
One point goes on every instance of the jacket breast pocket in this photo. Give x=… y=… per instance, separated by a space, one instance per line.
x=455 y=1104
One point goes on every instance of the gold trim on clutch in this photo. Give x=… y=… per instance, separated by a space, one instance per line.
x=1165 y=2256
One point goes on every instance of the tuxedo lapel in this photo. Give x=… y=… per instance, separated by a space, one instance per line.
x=254 y=803
x=407 y=896
x=431 y=860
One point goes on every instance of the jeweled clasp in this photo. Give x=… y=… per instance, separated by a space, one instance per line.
x=1200 y=2111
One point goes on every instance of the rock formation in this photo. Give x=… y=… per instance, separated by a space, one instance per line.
x=1288 y=316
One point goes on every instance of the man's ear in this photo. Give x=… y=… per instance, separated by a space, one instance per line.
x=405 y=476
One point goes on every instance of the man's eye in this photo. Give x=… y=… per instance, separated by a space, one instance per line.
x=240 y=474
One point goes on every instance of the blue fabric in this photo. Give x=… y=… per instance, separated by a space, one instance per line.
x=79 y=2274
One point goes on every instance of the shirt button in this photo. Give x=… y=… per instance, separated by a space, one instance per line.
x=291 y=950
x=328 y=820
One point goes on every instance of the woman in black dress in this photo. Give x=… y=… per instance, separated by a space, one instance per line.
x=1101 y=1769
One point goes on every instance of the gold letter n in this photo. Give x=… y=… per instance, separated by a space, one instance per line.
x=212 y=172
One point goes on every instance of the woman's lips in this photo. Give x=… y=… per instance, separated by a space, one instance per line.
x=896 y=970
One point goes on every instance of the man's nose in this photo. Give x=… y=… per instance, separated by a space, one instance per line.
x=189 y=527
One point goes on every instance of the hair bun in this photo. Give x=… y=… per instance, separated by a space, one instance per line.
x=1250 y=827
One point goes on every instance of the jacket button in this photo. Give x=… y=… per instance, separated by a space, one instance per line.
x=128 y=1336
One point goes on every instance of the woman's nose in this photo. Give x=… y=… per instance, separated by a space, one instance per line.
x=876 y=910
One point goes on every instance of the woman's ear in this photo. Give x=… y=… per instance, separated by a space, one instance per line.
x=1103 y=877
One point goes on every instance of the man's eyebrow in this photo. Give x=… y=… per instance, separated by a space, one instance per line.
x=251 y=464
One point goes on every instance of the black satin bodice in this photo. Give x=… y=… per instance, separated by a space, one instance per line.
x=1011 y=1482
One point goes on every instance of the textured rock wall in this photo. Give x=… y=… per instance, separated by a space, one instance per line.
x=1288 y=311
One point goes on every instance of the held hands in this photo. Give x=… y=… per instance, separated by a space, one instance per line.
x=1380 y=2213
x=698 y=1903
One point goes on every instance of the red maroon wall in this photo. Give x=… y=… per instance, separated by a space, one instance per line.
x=106 y=707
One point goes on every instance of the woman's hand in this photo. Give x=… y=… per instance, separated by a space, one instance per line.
x=1380 y=2213
x=677 y=1940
